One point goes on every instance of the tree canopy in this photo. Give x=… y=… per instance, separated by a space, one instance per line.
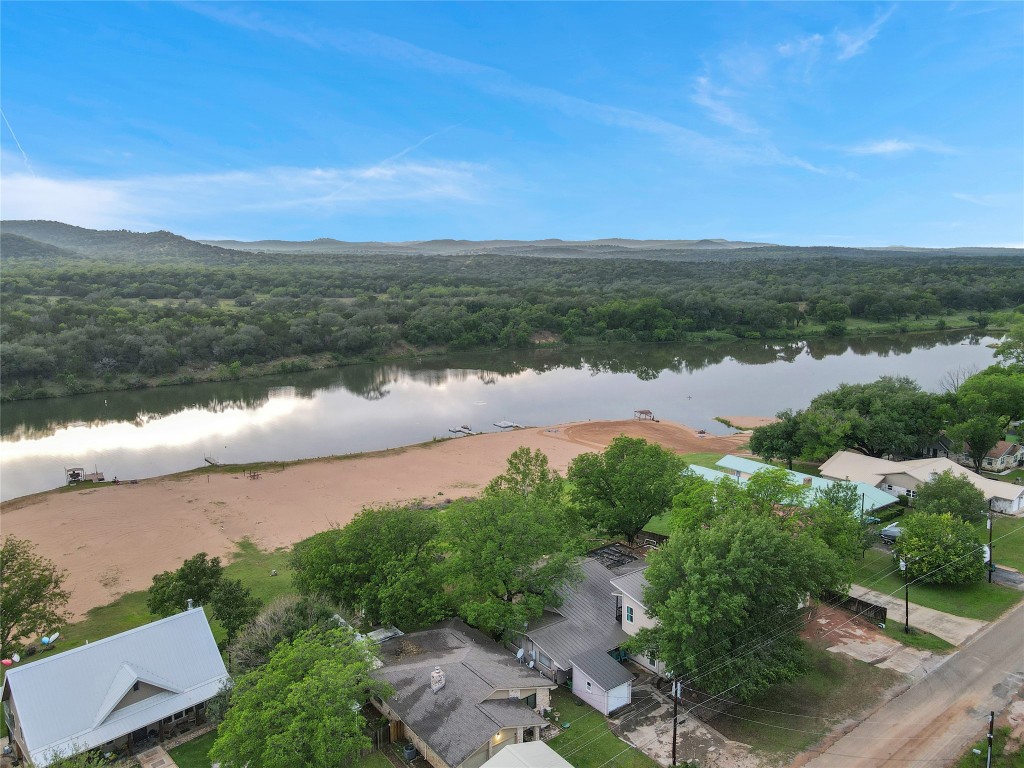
x=621 y=489
x=303 y=707
x=32 y=594
x=939 y=549
x=781 y=440
x=281 y=620
x=951 y=494
x=195 y=580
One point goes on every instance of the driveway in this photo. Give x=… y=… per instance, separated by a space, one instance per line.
x=953 y=629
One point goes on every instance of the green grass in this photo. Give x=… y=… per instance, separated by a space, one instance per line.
x=193 y=754
x=1010 y=477
x=917 y=638
x=588 y=742
x=982 y=601
x=789 y=717
x=373 y=760
x=1000 y=757
x=1007 y=551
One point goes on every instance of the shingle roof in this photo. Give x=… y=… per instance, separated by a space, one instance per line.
x=589 y=620
x=68 y=700
x=602 y=669
x=458 y=719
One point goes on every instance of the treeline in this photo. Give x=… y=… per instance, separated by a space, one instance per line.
x=92 y=322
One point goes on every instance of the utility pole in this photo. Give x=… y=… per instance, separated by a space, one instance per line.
x=991 y=724
x=991 y=562
x=675 y=716
x=906 y=593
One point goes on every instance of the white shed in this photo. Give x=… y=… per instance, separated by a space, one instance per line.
x=601 y=681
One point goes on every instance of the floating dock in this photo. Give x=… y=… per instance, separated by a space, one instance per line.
x=507 y=425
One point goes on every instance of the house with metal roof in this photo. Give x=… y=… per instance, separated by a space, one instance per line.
x=460 y=698
x=904 y=477
x=741 y=469
x=116 y=694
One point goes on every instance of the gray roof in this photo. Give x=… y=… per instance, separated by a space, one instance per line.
x=602 y=669
x=458 y=719
x=632 y=585
x=588 y=623
x=68 y=700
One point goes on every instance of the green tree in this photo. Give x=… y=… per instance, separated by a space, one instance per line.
x=1011 y=348
x=234 y=606
x=620 y=490
x=357 y=566
x=196 y=579
x=781 y=440
x=304 y=707
x=834 y=516
x=977 y=435
x=951 y=494
x=281 y=620
x=527 y=472
x=940 y=549
x=727 y=598
x=508 y=555
x=32 y=594
x=998 y=390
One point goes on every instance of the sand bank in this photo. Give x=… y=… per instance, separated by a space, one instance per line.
x=114 y=539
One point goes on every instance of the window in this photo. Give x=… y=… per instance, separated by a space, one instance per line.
x=912 y=494
x=629 y=613
x=544 y=660
x=590 y=686
x=531 y=701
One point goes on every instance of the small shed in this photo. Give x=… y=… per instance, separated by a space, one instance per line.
x=602 y=682
x=643 y=415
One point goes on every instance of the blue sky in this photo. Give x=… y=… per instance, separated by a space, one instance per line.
x=808 y=123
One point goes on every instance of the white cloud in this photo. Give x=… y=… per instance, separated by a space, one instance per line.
x=899 y=147
x=713 y=99
x=804 y=45
x=855 y=43
x=993 y=200
x=147 y=201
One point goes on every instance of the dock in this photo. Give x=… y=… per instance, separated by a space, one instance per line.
x=507 y=425
x=465 y=429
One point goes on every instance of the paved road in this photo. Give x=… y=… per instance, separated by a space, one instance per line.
x=938 y=718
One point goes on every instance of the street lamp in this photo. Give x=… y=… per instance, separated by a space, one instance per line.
x=906 y=592
x=991 y=564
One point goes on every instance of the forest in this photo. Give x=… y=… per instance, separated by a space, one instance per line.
x=83 y=311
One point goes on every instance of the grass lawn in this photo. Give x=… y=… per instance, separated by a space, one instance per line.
x=974 y=601
x=1000 y=759
x=588 y=742
x=788 y=718
x=917 y=638
x=193 y=754
x=1009 y=550
x=373 y=760
x=249 y=563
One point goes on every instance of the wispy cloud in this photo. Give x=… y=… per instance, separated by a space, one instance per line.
x=992 y=200
x=802 y=45
x=855 y=43
x=713 y=99
x=679 y=139
x=24 y=155
x=146 y=201
x=900 y=147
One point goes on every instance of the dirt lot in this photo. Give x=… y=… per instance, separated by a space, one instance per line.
x=114 y=539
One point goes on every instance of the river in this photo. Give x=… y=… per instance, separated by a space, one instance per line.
x=144 y=433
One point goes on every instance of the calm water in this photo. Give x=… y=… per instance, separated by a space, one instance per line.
x=371 y=407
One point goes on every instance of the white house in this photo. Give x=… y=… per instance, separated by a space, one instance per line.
x=1004 y=455
x=630 y=589
x=144 y=684
x=903 y=478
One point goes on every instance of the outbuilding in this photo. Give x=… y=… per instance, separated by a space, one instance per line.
x=602 y=682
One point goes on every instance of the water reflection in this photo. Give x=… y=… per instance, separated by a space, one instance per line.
x=370 y=407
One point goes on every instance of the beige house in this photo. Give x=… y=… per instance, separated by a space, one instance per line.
x=903 y=477
x=1005 y=455
x=629 y=588
x=460 y=698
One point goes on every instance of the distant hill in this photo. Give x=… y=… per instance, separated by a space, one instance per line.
x=14 y=246
x=551 y=247
x=120 y=243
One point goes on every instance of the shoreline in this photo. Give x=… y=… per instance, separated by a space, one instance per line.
x=112 y=539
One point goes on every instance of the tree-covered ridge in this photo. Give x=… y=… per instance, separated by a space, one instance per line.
x=128 y=306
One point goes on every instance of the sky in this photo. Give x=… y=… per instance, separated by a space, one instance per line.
x=846 y=124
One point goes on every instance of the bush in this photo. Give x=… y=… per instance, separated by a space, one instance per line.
x=940 y=549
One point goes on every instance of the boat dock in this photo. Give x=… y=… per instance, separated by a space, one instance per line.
x=507 y=425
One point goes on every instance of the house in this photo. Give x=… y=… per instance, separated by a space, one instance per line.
x=460 y=698
x=147 y=683
x=601 y=681
x=629 y=590
x=533 y=754
x=1004 y=455
x=741 y=470
x=903 y=477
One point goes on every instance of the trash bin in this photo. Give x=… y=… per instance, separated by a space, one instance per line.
x=409 y=752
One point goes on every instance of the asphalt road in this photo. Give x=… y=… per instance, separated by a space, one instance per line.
x=937 y=719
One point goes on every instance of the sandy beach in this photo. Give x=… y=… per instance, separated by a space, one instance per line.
x=113 y=539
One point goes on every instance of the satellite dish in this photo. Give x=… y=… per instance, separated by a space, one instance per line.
x=54 y=636
x=531 y=664
x=15 y=658
x=519 y=654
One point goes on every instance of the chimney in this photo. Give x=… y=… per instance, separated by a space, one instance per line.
x=190 y=603
x=436 y=680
